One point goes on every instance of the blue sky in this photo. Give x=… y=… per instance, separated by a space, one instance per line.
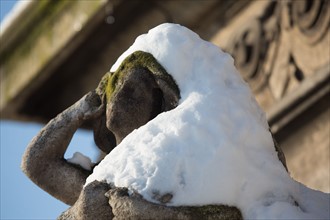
x=5 y=7
x=20 y=198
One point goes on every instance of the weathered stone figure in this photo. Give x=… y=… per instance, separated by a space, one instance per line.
x=137 y=92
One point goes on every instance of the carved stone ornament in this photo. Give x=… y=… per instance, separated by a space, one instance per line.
x=278 y=49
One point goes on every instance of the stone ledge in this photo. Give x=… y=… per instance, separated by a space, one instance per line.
x=35 y=47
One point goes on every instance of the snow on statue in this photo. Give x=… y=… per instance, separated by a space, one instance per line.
x=205 y=141
x=214 y=147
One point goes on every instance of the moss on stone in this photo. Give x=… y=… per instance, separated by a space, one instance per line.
x=100 y=90
x=138 y=59
x=33 y=45
x=43 y=13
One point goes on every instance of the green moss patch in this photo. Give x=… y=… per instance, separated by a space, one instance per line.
x=138 y=59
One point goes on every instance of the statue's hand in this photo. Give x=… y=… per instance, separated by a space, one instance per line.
x=89 y=106
x=125 y=206
x=95 y=108
x=134 y=206
x=91 y=204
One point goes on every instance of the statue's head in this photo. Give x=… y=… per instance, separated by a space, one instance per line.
x=138 y=91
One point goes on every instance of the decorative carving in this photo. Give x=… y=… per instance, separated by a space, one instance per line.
x=252 y=45
x=311 y=17
x=247 y=49
x=277 y=49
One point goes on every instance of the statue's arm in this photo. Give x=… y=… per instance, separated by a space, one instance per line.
x=43 y=161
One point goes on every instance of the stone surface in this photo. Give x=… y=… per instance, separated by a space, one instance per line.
x=135 y=207
x=91 y=204
x=98 y=202
x=40 y=36
x=309 y=149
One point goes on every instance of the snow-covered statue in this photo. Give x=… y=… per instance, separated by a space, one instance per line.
x=185 y=139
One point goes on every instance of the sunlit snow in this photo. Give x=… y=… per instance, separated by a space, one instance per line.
x=81 y=160
x=214 y=147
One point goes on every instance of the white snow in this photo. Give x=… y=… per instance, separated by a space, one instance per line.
x=82 y=160
x=214 y=147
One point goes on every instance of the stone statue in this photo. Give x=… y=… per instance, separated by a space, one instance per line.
x=130 y=97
